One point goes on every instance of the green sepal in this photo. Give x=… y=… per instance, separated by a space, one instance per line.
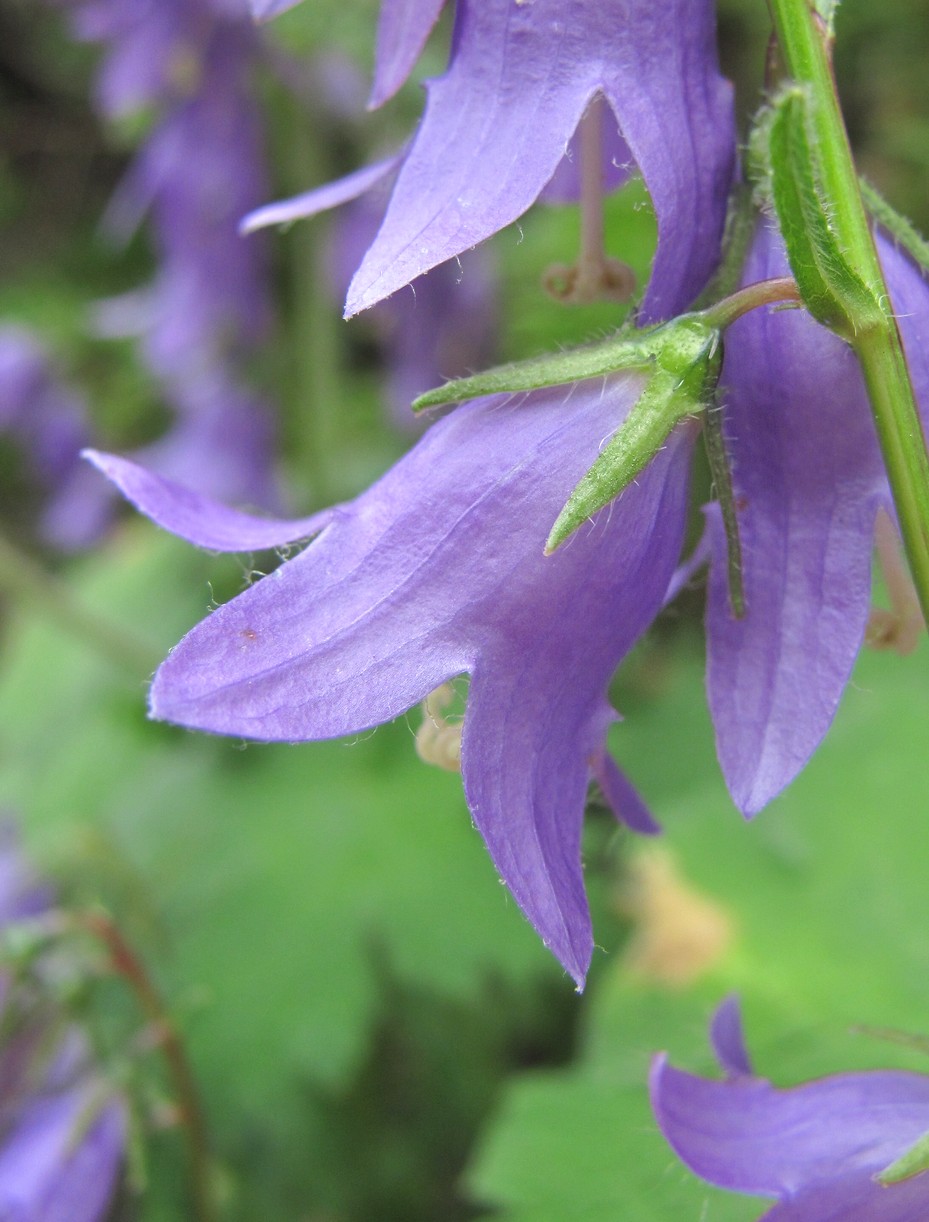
x=685 y=372
x=913 y=1162
x=831 y=289
x=897 y=226
x=714 y=442
x=623 y=350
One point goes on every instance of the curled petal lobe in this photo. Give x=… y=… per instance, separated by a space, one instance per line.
x=197 y=518
x=320 y=199
x=439 y=569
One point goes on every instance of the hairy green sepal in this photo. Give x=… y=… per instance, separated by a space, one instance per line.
x=685 y=368
x=831 y=289
x=681 y=360
x=627 y=349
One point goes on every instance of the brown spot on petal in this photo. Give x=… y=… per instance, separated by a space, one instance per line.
x=250 y=634
x=679 y=933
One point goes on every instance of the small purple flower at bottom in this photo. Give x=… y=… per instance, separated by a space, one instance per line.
x=817 y=1147
x=63 y=1130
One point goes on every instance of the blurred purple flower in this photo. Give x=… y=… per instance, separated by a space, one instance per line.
x=497 y=125
x=809 y=483
x=438 y=570
x=198 y=170
x=817 y=1147
x=63 y=1131
x=49 y=423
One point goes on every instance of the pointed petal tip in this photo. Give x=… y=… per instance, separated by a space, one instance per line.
x=728 y=1038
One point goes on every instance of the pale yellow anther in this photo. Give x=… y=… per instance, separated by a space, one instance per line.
x=438 y=739
x=679 y=933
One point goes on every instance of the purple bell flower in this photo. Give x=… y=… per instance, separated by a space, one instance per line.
x=63 y=1131
x=809 y=484
x=817 y=1148
x=498 y=123
x=435 y=571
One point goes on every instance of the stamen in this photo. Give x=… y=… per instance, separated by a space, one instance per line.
x=595 y=276
x=438 y=740
x=898 y=627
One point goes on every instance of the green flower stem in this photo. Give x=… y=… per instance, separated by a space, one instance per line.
x=782 y=290
x=805 y=45
x=126 y=963
x=313 y=417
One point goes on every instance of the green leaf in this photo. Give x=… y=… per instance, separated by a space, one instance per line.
x=913 y=1162
x=831 y=290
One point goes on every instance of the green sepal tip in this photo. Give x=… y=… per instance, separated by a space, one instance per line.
x=685 y=370
x=913 y=1162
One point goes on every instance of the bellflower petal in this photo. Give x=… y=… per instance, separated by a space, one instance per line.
x=200 y=519
x=497 y=124
x=402 y=30
x=809 y=480
x=728 y=1039
x=816 y=1147
x=437 y=570
x=320 y=199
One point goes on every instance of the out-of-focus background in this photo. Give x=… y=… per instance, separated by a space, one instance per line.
x=377 y=1034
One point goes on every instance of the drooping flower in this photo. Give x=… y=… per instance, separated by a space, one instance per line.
x=817 y=1148
x=438 y=570
x=48 y=422
x=63 y=1129
x=497 y=124
x=809 y=483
